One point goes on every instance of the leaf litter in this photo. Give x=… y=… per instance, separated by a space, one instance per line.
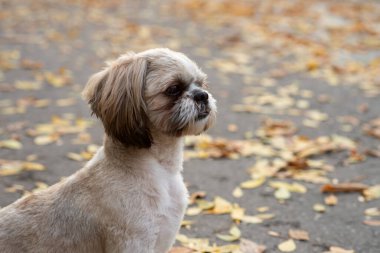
x=287 y=164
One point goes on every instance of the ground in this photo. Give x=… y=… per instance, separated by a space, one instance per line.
x=297 y=142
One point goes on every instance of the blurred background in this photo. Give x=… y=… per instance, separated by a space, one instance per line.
x=293 y=162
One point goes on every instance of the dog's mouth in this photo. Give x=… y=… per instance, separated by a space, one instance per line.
x=203 y=111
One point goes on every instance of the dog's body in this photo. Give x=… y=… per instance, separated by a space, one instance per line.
x=143 y=205
x=130 y=197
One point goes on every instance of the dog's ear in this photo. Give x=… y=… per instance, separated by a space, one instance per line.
x=116 y=96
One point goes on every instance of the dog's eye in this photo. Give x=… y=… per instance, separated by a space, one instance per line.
x=173 y=90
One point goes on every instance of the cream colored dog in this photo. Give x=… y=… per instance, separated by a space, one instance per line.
x=130 y=197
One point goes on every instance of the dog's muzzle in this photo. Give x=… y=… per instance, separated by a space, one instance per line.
x=201 y=100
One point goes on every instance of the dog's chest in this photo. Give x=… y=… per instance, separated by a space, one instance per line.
x=170 y=211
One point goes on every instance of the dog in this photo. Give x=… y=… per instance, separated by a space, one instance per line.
x=130 y=197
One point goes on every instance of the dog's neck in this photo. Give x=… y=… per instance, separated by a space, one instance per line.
x=166 y=150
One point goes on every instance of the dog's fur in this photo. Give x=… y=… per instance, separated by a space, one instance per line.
x=130 y=197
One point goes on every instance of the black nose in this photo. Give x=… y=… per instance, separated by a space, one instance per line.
x=200 y=96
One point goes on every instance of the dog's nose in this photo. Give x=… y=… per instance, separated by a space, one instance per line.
x=200 y=96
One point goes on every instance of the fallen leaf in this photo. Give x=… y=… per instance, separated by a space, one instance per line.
x=272 y=128
x=331 y=200
x=262 y=209
x=373 y=223
x=301 y=235
x=11 y=144
x=28 y=85
x=33 y=166
x=247 y=246
x=221 y=206
x=374 y=211
x=40 y=186
x=233 y=236
x=15 y=188
x=282 y=194
x=274 y=233
x=46 y=139
x=372 y=192
x=192 y=211
x=293 y=187
x=334 y=249
x=319 y=208
x=193 y=196
x=254 y=183
x=180 y=250
x=187 y=223
x=74 y=156
x=10 y=170
x=232 y=128
x=287 y=246
x=204 y=204
x=344 y=187
x=237 y=193
x=30 y=64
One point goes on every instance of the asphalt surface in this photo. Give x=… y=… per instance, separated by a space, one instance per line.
x=238 y=50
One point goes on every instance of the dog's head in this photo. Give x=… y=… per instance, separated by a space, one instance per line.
x=158 y=90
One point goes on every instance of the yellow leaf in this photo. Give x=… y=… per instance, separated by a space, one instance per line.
x=75 y=157
x=192 y=211
x=237 y=213
x=265 y=216
x=182 y=238
x=254 y=183
x=65 y=102
x=237 y=193
x=251 y=219
x=185 y=223
x=10 y=170
x=294 y=187
x=235 y=231
x=374 y=211
x=28 y=85
x=319 y=208
x=204 y=204
x=33 y=166
x=11 y=144
x=40 y=186
x=86 y=155
x=372 y=192
x=45 y=139
x=222 y=206
x=282 y=194
x=233 y=236
x=287 y=246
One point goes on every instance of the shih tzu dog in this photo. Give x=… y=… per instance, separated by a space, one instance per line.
x=130 y=197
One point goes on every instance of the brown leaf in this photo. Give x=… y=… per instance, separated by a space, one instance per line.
x=180 y=250
x=196 y=195
x=373 y=152
x=30 y=64
x=334 y=249
x=247 y=246
x=373 y=223
x=331 y=200
x=301 y=235
x=344 y=187
x=272 y=128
